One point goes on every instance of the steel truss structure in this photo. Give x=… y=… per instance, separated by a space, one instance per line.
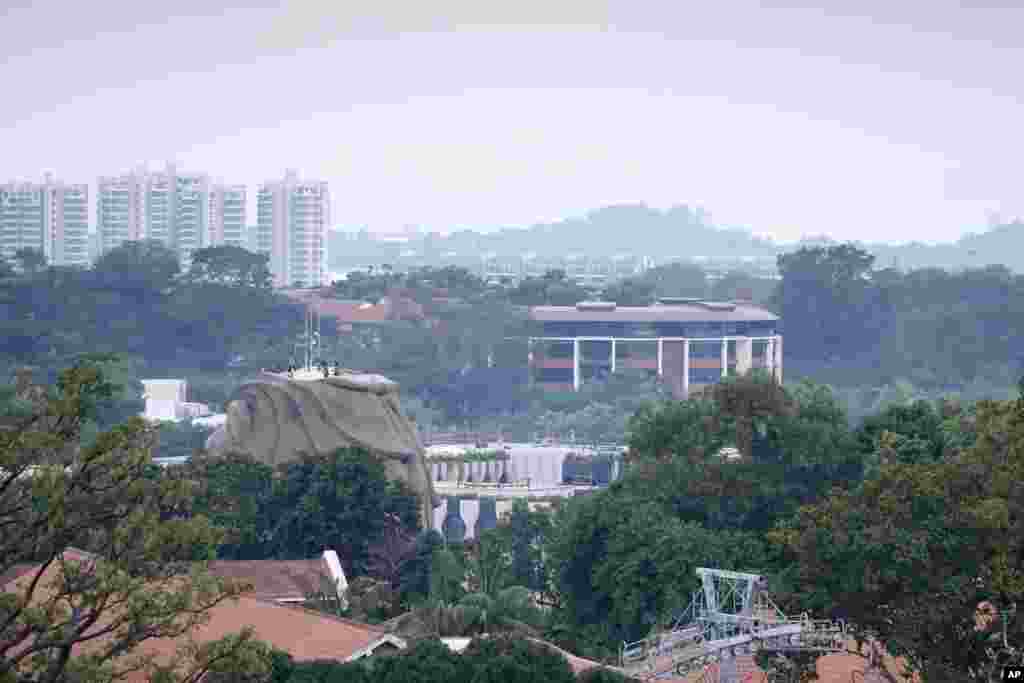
x=731 y=615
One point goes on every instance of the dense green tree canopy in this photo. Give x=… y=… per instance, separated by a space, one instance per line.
x=341 y=501
x=29 y=260
x=515 y=660
x=147 y=577
x=230 y=265
x=554 y=288
x=908 y=556
x=144 y=267
x=429 y=660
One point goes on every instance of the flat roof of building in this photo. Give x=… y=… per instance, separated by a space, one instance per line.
x=675 y=312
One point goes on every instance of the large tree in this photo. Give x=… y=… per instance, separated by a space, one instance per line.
x=230 y=265
x=342 y=501
x=749 y=401
x=145 y=268
x=908 y=556
x=113 y=558
x=822 y=296
x=554 y=288
x=29 y=260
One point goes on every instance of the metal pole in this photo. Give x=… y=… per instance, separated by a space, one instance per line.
x=686 y=369
x=576 y=364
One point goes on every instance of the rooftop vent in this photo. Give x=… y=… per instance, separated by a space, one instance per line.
x=718 y=306
x=693 y=301
x=595 y=306
x=678 y=300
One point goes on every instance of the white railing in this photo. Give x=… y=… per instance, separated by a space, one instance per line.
x=461 y=484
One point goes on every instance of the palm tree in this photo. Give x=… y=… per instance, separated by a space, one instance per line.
x=510 y=609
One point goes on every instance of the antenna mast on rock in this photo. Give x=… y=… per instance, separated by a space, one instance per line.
x=314 y=323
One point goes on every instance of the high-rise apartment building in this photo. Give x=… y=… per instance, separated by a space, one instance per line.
x=50 y=217
x=168 y=205
x=227 y=216
x=293 y=216
x=191 y=215
x=119 y=209
x=252 y=238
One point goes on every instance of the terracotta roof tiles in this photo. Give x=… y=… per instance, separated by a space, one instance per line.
x=290 y=580
x=304 y=634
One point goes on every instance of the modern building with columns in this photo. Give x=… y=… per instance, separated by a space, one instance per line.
x=689 y=343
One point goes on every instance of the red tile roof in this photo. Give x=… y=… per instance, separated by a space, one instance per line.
x=291 y=580
x=352 y=311
x=304 y=634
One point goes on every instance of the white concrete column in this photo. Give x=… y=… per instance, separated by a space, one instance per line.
x=576 y=364
x=613 y=355
x=725 y=357
x=470 y=513
x=440 y=512
x=686 y=369
x=744 y=355
x=660 y=356
x=529 y=360
x=778 y=359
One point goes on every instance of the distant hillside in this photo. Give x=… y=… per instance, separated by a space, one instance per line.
x=629 y=229
x=679 y=232
x=1003 y=245
x=632 y=229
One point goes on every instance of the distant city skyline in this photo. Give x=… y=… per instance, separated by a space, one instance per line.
x=883 y=122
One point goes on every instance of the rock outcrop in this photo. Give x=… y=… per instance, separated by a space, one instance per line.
x=275 y=419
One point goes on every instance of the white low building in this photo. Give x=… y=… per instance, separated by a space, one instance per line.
x=166 y=400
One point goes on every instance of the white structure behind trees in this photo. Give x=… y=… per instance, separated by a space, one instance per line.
x=166 y=400
x=50 y=217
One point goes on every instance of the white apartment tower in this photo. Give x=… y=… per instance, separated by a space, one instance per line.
x=119 y=210
x=191 y=214
x=185 y=211
x=292 y=218
x=50 y=217
x=227 y=216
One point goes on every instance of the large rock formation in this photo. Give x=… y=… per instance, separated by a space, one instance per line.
x=275 y=419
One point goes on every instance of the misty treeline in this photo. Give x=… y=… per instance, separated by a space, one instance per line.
x=877 y=335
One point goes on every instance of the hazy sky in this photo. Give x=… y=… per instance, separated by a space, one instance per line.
x=872 y=120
